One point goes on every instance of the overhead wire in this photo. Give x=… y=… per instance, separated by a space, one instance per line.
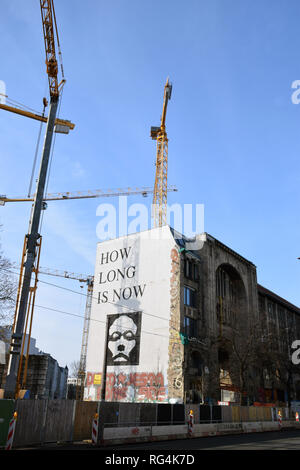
x=95 y=298
x=95 y=320
x=112 y=303
x=21 y=105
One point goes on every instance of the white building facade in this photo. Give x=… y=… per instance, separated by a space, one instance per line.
x=134 y=342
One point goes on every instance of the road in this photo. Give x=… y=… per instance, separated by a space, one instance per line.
x=285 y=440
x=270 y=441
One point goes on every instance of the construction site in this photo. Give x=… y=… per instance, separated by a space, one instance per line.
x=176 y=327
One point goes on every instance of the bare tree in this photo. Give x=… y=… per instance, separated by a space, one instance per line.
x=74 y=368
x=241 y=352
x=8 y=288
x=280 y=366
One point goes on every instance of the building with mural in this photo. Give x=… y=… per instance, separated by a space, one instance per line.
x=131 y=328
x=176 y=320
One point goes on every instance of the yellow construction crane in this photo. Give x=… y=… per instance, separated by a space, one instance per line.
x=161 y=177
x=89 y=194
x=32 y=241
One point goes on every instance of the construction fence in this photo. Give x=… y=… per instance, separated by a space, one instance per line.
x=47 y=421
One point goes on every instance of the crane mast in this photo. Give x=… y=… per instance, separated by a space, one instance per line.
x=32 y=242
x=161 y=176
x=84 y=343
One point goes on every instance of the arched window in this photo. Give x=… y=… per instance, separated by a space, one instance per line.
x=230 y=295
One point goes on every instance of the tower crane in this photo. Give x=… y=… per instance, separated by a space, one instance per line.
x=32 y=242
x=161 y=176
x=89 y=281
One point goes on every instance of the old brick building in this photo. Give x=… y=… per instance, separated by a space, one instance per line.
x=181 y=321
x=240 y=333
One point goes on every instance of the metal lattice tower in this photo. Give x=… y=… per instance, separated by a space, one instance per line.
x=84 y=344
x=161 y=176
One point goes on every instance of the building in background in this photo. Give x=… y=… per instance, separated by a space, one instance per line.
x=72 y=384
x=45 y=378
x=175 y=321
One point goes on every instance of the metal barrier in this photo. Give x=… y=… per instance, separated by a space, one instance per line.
x=45 y=421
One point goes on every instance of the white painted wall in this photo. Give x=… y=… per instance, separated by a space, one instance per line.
x=148 y=266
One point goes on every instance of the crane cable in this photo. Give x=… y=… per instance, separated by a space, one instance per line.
x=19 y=105
x=59 y=105
x=58 y=43
x=37 y=149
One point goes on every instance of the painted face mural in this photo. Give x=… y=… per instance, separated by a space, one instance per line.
x=123 y=339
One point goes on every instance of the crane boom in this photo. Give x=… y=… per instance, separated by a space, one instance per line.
x=167 y=97
x=161 y=176
x=65 y=274
x=89 y=194
x=37 y=117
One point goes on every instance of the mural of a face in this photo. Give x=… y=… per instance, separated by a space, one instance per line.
x=122 y=339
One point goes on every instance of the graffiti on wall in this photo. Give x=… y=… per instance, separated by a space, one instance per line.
x=176 y=349
x=132 y=387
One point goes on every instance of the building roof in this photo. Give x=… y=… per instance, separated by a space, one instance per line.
x=229 y=250
x=277 y=298
x=181 y=241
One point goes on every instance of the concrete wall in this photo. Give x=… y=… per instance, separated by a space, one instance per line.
x=161 y=433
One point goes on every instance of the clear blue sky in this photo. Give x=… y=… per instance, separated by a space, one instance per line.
x=234 y=134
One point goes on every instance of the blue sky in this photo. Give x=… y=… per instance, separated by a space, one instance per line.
x=233 y=131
